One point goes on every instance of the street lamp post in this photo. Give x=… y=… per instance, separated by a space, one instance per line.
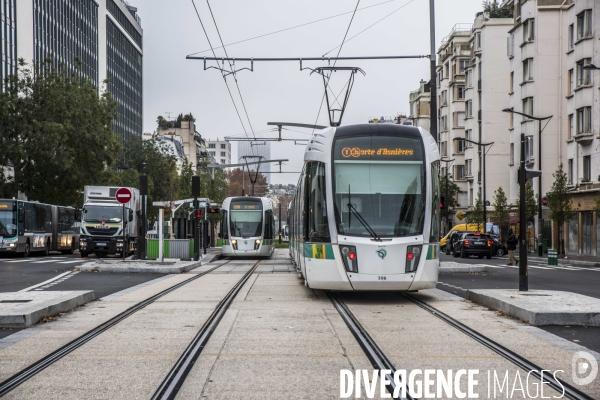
x=447 y=222
x=539 y=165
x=484 y=145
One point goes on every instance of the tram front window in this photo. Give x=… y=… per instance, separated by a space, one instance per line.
x=245 y=219
x=380 y=178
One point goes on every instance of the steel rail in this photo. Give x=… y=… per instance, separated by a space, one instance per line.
x=38 y=366
x=176 y=377
x=375 y=355
x=559 y=385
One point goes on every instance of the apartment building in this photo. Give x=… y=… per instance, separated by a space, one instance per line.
x=582 y=31
x=184 y=132
x=220 y=150
x=486 y=85
x=103 y=38
x=419 y=101
x=537 y=49
x=452 y=61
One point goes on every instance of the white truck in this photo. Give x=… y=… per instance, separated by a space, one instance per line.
x=103 y=222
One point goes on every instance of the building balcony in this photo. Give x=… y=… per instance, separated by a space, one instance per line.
x=469 y=177
x=588 y=186
x=584 y=138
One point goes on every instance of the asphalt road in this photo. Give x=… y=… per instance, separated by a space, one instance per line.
x=22 y=273
x=582 y=280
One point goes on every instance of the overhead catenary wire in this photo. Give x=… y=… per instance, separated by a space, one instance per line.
x=296 y=26
x=231 y=67
x=372 y=25
x=213 y=51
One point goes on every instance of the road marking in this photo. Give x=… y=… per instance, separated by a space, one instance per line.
x=71 y=262
x=43 y=261
x=16 y=261
x=45 y=282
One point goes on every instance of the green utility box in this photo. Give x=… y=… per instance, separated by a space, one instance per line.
x=544 y=245
x=552 y=257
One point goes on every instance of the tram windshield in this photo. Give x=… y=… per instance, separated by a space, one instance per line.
x=382 y=179
x=245 y=218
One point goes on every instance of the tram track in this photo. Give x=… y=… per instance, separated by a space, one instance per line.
x=559 y=385
x=176 y=377
x=27 y=373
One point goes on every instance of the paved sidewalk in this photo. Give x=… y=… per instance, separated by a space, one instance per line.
x=576 y=260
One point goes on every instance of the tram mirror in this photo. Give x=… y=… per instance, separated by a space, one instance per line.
x=21 y=215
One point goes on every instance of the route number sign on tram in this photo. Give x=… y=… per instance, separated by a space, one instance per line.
x=123 y=195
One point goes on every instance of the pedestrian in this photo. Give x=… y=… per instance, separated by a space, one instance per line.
x=511 y=246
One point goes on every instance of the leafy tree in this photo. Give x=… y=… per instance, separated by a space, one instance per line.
x=476 y=216
x=237 y=176
x=501 y=212
x=449 y=190
x=559 y=203
x=496 y=11
x=55 y=132
x=531 y=201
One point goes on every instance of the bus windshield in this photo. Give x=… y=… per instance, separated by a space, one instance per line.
x=8 y=223
x=379 y=186
x=102 y=213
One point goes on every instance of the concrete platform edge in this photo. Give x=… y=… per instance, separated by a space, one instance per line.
x=148 y=268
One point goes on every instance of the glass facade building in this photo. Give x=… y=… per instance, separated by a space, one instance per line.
x=124 y=73
x=8 y=38
x=66 y=31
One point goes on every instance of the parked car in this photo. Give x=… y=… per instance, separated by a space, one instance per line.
x=477 y=244
x=453 y=238
x=459 y=228
x=499 y=247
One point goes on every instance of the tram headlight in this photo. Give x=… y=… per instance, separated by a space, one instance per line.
x=349 y=258
x=413 y=255
x=234 y=244
x=256 y=244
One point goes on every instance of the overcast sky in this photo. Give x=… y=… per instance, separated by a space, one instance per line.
x=280 y=91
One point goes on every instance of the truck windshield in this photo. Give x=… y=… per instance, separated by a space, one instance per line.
x=102 y=213
x=8 y=223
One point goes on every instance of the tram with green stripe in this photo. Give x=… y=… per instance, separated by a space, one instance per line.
x=248 y=227
x=366 y=211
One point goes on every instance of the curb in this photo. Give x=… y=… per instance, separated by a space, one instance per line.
x=149 y=268
x=465 y=269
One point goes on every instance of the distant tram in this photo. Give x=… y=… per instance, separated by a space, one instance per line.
x=248 y=227
x=365 y=213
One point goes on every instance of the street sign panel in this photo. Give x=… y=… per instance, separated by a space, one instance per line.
x=460 y=215
x=123 y=195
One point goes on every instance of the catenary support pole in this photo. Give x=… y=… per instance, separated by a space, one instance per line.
x=523 y=278
x=160 y=236
x=540 y=220
x=280 y=233
x=433 y=124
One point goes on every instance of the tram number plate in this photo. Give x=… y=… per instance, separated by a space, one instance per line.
x=381 y=278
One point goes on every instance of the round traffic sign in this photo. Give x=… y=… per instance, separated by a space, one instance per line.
x=123 y=195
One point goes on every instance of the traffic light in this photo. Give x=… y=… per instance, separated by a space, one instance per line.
x=199 y=214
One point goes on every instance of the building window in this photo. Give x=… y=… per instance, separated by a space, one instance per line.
x=528 y=69
x=460 y=92
x=570 y=171
x=584 y=120
x=222 y=161
x=510 y=46
x=528 y=34
x=447 y=70
x=468 y=167
x=223 y=154
x=583 y=75
x=470 y=197
x=444 y=100
x=570 y=127
x=223 y=146
x=443 y=148
x=469 y=78
x=459 y=146
x=511 y=120
x=571 y=81
x=8 y=39
x=512 y=153
x=571 y=36
x=463 y=64
x=469 y=108
x=212 y=146
x=587 y=169
x=469 y=136
x=528 y=148
x=511 y=82
x=459 y=173
x=478 y=40
x=528 y=105
x=460 y=119
x=584 y=24
x=212 y=153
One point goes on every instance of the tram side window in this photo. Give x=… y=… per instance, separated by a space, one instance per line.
x=225 y=226
x=269 y=224
x=434 y=236
x=318 y=226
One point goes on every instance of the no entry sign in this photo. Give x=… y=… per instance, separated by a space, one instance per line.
x=123 y=195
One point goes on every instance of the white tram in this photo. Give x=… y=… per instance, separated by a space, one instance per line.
x=248 y=227
x=365 y=214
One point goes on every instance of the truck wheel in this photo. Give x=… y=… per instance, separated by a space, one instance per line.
x=480 y=256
